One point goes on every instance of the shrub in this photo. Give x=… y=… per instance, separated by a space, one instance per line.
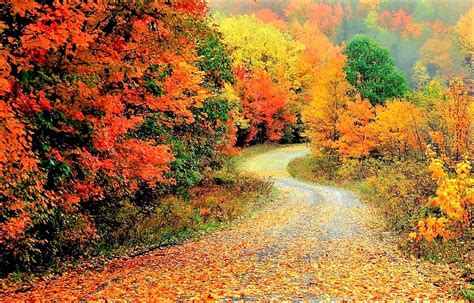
x=399 y=189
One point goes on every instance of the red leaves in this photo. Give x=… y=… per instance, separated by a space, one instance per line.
x=198 y=7
x=400 y=22
x=30 y=104
x=144 y=161
x=264 y=105
x=75 y=82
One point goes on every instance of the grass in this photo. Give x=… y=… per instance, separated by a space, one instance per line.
x=255 y=150
x=310 y=168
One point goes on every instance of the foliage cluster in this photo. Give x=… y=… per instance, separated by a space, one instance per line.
x=106 y=109
x=434 y=35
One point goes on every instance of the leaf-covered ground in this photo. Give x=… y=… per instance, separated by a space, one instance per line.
x=312 y=242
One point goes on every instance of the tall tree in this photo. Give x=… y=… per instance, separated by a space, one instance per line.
x=370 y=69
x=329 y=96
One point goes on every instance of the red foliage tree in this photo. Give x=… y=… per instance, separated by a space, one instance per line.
x=264 y=106
x=77 y=79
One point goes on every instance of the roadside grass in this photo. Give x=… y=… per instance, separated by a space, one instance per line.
x=255 y=150
x=318 y=170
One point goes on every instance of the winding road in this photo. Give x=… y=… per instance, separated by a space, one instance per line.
x=312 y=242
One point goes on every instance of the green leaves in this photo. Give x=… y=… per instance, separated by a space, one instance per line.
x=371 y=70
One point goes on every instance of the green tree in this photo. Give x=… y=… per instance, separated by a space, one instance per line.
x=371 y=70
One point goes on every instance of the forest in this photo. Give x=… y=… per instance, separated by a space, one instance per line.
x=126 y=127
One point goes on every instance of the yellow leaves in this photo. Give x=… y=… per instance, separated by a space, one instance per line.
x=452 y=196
x=465 y=30
x=463 y=169
x=259 y=45
x=437 y=169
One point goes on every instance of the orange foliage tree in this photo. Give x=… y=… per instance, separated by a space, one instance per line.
x=272 y=18
x=329 y=96
x=79 y=82
x=264 y=111
x=459 y=119
x=399 y=127
x=357 y=137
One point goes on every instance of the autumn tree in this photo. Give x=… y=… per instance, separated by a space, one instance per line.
x=357 y=137
x=464 y=31
x=459 y=120
x=263 y=107
x=437 y=53
x=261 y=49
x=269 y=17
x=399 y=127
x=420 y=75
x=254 y=44
x=371 y=70
x=329 y=96
x=318 y=51
x=449 y=114
x=98 y=100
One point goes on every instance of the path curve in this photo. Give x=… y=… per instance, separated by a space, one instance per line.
x=312 y=242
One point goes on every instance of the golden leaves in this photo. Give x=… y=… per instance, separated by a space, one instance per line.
x=453 y=194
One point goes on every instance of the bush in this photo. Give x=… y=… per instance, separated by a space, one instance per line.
x=399 y=189
x=91 y=144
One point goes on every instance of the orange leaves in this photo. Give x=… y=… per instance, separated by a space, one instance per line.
x=330 y=96
x=263 y=106
x=57 y=26
x=111 y=129
x=77 y=79
x=357 y=137
x=291 y=248
x=23 y=7
x=399 y=126
x=326 y=17
x=272 y=18
x=431 y=228
x=144 y=161
x=459 y=118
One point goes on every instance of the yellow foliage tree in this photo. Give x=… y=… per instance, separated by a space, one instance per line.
x=257 y=45
x=465 y=31
x=357 y=138
x=329 y=97
x=399 y=128
x=454 y=198
x=317 y=53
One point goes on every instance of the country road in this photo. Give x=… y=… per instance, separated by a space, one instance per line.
x=312 y=242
